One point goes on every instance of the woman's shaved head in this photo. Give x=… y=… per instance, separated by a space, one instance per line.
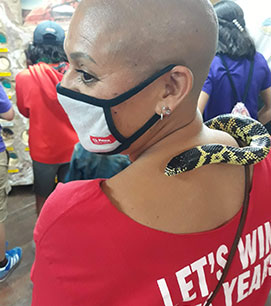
x=114 y=45
x=150 y=34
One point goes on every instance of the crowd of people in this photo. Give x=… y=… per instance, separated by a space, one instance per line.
x=106 y=116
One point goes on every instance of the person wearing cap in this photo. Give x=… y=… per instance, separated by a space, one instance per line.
x=9 y=259
x=51 y=136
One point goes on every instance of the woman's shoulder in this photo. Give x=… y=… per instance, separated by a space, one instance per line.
x=64 y=200
x=262 y=172
x=70 y=194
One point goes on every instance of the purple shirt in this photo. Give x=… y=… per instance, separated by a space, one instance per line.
x=218 y=87
x=5 y=106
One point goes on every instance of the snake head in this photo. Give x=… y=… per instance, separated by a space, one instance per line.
x=183 y=162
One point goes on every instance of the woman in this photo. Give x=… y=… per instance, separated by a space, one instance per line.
x=247 y=68
x=141 y=237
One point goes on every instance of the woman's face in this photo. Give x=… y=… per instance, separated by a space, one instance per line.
x=98 y=71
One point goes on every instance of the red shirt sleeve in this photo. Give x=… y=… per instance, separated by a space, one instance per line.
x=46 y=288
x=21 y=81
x=46 y=285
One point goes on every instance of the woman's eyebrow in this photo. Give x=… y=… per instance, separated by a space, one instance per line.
x=77 y=55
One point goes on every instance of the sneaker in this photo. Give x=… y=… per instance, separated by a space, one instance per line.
x=14 y=257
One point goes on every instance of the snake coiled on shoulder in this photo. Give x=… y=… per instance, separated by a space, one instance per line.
x=252 y=133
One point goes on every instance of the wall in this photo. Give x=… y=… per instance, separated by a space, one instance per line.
x=12 y=60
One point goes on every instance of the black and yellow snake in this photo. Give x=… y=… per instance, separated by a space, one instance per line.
x=248 y=130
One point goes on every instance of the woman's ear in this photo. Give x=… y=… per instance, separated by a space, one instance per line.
x=178 y=84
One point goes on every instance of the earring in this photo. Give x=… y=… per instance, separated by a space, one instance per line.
x=166 y=111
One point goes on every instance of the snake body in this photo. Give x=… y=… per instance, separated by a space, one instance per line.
x=252 y=133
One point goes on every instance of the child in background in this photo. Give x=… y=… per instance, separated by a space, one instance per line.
x=9 y=259
x=51 y=136
x=247 y=68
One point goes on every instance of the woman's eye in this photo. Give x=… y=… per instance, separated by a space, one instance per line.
x=86 y=77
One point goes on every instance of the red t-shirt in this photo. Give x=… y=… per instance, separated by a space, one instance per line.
x=89 y=253
x=51 y=135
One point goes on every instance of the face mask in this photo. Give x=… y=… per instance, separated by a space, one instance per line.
x=92 y=119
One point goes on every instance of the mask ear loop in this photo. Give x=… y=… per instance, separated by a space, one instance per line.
x=166 y=111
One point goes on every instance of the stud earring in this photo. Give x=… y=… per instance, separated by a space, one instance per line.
x=166 y=111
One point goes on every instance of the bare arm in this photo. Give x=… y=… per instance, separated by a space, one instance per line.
x=202 y=101
x=9 y=115
x=264 y=115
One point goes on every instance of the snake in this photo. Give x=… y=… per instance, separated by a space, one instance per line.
x=250 y=132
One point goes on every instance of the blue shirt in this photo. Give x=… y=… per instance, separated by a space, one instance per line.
x=217 y=85
x=5 y=105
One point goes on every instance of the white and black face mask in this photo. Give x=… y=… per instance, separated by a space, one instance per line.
x=92 y=119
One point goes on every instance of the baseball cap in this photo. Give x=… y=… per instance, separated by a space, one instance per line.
x=49 y=33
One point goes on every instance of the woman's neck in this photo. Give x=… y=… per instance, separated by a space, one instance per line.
x=171 y=139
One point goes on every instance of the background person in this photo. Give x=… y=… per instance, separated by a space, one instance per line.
x=141 y=237
x=9 y=259
x=258 y=23
x=87 y=165
x=51 y=136
x=237 y=49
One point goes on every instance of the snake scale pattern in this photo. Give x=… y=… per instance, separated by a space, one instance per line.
x=252 y=133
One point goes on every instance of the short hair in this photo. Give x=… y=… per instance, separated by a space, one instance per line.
x=45 y=53
x=234 y=39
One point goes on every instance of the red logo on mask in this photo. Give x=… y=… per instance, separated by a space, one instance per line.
x=102 y=140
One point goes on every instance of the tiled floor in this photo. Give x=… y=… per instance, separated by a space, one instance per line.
x=16 y=290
